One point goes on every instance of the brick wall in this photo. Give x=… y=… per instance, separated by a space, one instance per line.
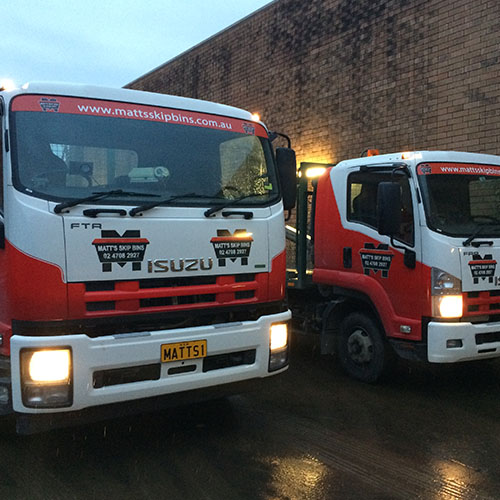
x=338 y=76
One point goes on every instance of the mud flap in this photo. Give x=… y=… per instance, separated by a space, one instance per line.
x=329 y=331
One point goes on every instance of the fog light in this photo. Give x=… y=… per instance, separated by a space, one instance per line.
x=278 y=346
x=4 y=396
x=278 y=360
x=46 y=378
x=454 y=343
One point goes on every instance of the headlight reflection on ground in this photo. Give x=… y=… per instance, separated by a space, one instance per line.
x=456 y=479
x=295 y=477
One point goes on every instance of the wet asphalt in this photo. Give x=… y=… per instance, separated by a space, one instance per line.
x=423 y=433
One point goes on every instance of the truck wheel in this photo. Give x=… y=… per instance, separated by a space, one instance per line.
x=362 y=350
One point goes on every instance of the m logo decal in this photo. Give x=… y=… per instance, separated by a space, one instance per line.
x=115 y=249
x=375 y=259
x=232 y=246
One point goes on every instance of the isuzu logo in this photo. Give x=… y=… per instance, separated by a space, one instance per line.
x=49 y=104
x=179 y=265
x=249 y=128
x=424 y=169
x=115 y=249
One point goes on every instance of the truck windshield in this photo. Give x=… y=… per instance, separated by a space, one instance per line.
x=62 y=152
x=461 y=199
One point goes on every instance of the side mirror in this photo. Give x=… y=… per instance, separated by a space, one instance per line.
x=287 y=171
x=388 y=208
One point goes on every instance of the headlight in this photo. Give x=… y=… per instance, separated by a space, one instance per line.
x=279 y=336
x=50 y=366
x=278 y=346
x=46 y=378
x=448 y=306
x=446 y=291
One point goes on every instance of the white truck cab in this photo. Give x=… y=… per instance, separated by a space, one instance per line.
x=406 y=249
x=142 y=250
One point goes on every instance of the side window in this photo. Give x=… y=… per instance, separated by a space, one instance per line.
x=363 y=199
x=362 y=190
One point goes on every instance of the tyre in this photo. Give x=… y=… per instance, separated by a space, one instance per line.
x=363 y=352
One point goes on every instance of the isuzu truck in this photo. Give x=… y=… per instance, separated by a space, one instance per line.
x=399 y=254
x=142 y=252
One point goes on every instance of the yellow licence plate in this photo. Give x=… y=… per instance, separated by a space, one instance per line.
x=181 y=351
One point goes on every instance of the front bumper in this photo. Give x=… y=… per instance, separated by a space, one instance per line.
x=479 y=341
x=127 y=353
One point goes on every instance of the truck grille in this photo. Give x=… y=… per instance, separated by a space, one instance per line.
x=487 y=338
x=484 y=305
x=170 y=293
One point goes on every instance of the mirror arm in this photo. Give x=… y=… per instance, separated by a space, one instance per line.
x=409 y=255
x=274 y=135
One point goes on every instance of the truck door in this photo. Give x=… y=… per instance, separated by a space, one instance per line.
x=394 y=284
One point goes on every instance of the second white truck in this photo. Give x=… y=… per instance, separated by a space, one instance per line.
x=406 y=251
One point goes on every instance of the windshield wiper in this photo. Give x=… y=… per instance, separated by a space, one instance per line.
x=97 y=196
x=479 y=228
x=147 y=206
x=217 y=208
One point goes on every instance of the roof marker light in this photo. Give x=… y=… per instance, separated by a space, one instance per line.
x=7 y=84
x=370 y=152
x=411 y=156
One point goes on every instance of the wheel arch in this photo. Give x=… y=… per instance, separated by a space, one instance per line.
x=339 y=308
